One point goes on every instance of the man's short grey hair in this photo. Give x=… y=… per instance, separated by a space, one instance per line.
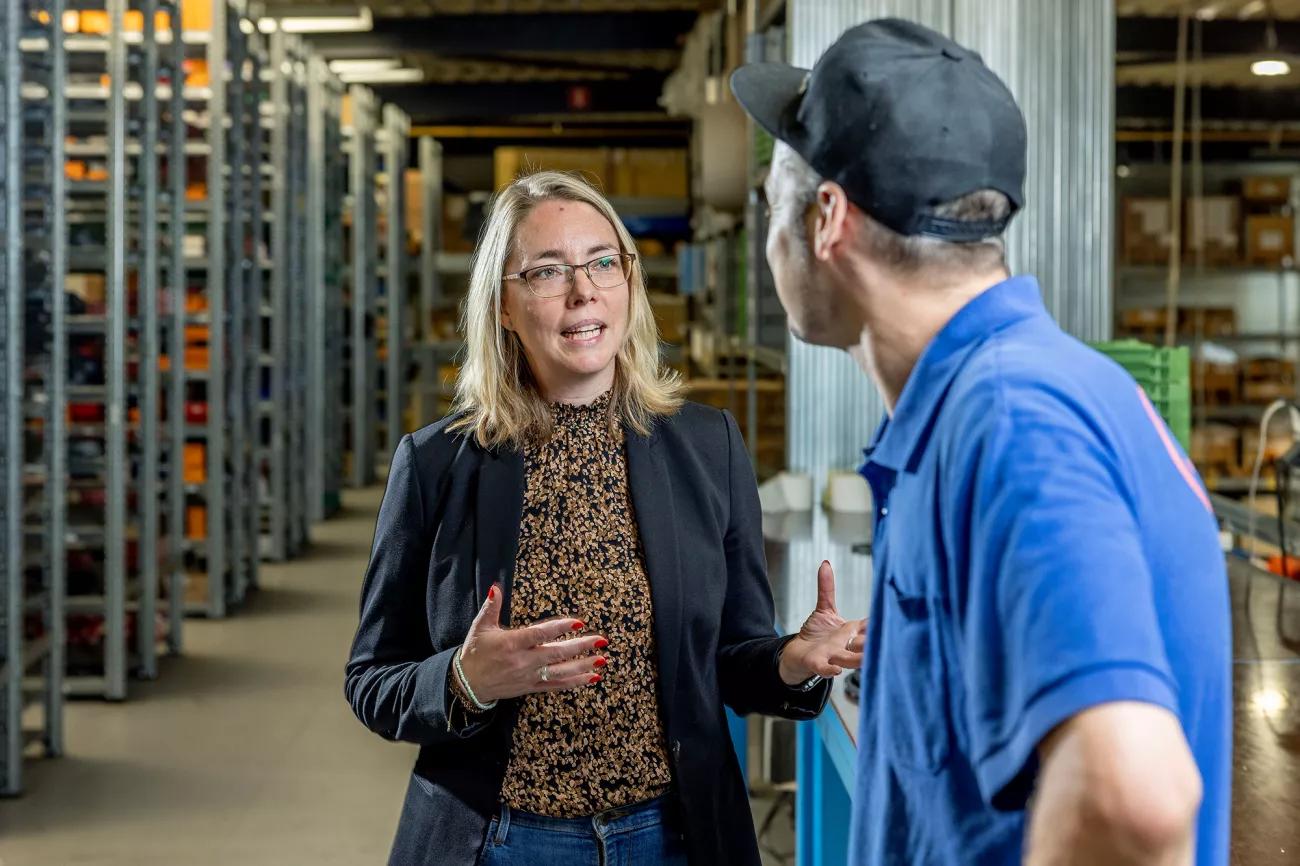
x=909 y=255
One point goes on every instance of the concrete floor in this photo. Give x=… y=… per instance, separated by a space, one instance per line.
x=243 y=752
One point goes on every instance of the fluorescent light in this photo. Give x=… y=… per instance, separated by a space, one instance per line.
x=354 y=22
x=1270 y=67
x=268 y=25
x=383 y=76
x=348 y=67
x=246 y=27
x=1251 y=9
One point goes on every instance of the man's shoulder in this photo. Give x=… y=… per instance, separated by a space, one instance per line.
x=1038 y=374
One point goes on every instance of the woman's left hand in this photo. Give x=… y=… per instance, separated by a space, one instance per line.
x=827 y=644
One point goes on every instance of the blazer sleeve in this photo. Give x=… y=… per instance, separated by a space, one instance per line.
x=396 y=684
x=749 y=650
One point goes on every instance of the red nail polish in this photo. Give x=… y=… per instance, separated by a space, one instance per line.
x=601 y=662
x=601 y=643
x=492 y=594
x=577 y=626
x=595 y=679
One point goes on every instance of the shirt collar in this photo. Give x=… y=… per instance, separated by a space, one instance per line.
x=900 y=438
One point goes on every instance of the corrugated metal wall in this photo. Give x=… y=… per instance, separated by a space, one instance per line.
x=1057 y=56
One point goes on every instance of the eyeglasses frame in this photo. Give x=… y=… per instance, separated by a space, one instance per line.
x=572 y=271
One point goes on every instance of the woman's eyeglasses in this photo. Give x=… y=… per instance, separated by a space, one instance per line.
x=551 y=281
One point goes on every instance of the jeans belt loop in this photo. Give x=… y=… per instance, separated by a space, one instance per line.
x=503 y=826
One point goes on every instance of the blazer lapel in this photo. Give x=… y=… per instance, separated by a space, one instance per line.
x=651 y=487
x=500 y=507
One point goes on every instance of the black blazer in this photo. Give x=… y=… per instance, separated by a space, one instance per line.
x=447 y=530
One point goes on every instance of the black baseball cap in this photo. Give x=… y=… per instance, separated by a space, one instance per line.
x=903 y=118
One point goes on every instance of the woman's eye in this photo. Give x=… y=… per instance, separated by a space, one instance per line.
x=546 y=273
x=605 y=264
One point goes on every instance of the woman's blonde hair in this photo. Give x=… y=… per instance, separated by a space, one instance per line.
x=496 y=394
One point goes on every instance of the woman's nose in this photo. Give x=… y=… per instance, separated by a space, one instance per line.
x=583 y=289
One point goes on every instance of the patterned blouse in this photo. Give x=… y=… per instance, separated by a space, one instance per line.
x=599 y=747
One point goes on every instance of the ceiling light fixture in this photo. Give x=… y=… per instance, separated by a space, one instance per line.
x=1274 y=65
x=348 y=67
x=247 y=27
x=268 y=25
x=1270 y=67
x=355 y=20
x=383 y=76
x=1251 y=9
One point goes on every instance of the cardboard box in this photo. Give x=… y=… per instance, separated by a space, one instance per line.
x=345 y=110
x=1215 y=382
x=414 y=204
x=1213 y=229
x=1208 y=321
x=1266 y=189
x=1144 y=319
x=1270 y=240
x=1215 y=445
x=1272 y=369
x=90 y=288
x=650 y=172
x=194 y=466
x=592 y=163
x=1147 y=231
x=671 y=316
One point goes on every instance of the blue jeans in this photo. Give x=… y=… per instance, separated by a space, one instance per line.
x=646 y=834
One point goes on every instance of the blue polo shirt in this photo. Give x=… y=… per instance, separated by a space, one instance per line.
x=1042 y=545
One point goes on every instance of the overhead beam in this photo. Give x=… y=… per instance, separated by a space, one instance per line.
x=455 y=35
x=462 y=104
x=668 y=130
x=1217 y=103
x=1158 y=37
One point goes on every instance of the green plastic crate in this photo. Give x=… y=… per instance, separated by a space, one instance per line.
x=1165 y=376
x=1149 y=364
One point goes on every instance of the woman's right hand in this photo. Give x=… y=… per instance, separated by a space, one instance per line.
x=502 y=663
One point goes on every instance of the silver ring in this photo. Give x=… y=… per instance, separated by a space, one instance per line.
x=849 y=646
x=545 y=674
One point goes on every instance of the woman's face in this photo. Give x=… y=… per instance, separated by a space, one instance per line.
x=570 y=341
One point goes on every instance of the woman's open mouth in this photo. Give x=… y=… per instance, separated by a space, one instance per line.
x=584 y=333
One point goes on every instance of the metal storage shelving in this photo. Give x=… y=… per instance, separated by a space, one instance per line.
x=227 y=382
x=429 y=347
x=32 y=507
x=363 y=246
x=285 y=507
x=393 y=282
x=326 y=382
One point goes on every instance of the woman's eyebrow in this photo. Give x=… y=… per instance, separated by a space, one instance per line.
x=556 y=254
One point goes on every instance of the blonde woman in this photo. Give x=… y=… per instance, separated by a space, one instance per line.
x=567 y=583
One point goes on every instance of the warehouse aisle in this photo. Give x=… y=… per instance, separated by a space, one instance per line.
x=243 y=752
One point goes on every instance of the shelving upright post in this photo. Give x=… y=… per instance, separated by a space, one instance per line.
x=324 y=381
x=396 y=280
x=177 y=293
x=216 y=483
x=11 y=407
x=32 y=504
x=362 y=355
x=297 y=311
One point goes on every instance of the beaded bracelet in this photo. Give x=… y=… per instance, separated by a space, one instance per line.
x=460 y=674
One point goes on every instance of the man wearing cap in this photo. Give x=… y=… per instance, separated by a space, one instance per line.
x=1048 y=656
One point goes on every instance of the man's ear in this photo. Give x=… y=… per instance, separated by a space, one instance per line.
x=830 y=224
